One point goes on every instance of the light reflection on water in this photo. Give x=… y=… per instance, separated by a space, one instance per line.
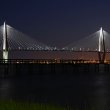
x=77 y=91
x=101 y=91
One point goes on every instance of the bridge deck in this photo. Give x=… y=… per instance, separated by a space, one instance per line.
x=54 y=57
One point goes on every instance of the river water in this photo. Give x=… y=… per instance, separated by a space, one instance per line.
x=81 y=91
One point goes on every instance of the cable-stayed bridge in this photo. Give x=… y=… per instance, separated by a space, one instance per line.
x=16 y=45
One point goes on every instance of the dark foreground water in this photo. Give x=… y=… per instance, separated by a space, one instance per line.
x=81 y=91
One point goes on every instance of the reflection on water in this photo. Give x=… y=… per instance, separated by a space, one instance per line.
x=76 y=91
x=5 y=89
x=98 y=94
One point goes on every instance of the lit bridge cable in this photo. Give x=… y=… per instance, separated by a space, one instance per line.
x=90 y=43
x=19 y=41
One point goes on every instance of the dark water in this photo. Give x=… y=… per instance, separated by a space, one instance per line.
x=82 y=91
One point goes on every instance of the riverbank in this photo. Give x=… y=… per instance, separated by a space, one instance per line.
x=14 y=105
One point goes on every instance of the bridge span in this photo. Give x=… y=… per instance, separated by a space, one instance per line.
x=16 y=47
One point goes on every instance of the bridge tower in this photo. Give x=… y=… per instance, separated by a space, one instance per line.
x=101 y=51
x=5 y=43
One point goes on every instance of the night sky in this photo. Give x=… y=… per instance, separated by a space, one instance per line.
x=56 y=22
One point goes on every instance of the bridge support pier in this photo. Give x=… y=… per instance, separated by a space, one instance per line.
x=101 y=56
x=5 y=43
x=101 y=52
